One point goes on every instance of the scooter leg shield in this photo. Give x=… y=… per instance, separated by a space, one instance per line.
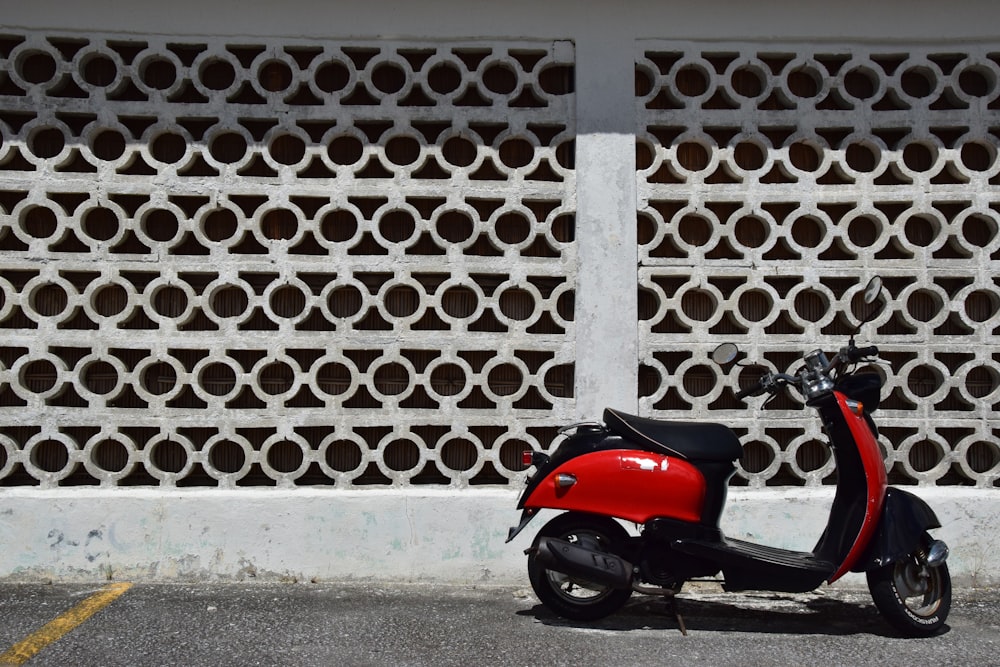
x=596 y=566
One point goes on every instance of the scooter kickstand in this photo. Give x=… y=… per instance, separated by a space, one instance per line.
x=677 y=614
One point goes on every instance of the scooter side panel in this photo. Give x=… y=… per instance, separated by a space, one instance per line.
x=631 y=485
x=876 y=482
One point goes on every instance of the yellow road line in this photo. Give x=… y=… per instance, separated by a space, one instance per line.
x=26 y=649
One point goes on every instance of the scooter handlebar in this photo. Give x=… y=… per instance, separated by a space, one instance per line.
x=772 y=382
x=755 y=390
x=855 y=354
x=768 y=383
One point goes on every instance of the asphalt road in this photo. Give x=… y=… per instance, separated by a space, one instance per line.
x=364 y=624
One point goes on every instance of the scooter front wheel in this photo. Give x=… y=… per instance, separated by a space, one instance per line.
x=572 y=597
x=913 y=596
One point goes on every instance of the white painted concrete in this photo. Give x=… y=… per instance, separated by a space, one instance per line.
x=398 y=535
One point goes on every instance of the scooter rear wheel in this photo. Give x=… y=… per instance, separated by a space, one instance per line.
x=572 y=597
x=914 y=597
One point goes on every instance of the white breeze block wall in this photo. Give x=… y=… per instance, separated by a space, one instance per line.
x=297 y=252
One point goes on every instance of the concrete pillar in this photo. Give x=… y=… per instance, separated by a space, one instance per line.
x=606 y=301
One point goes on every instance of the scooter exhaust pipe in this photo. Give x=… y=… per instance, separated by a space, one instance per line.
x=596 y=566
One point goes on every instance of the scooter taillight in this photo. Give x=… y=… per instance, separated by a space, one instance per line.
x=530 y=457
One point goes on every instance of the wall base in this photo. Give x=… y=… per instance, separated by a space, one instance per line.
x=446 y=536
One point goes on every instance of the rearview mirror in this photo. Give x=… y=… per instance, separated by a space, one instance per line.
x=873 y=290
x=725 y=354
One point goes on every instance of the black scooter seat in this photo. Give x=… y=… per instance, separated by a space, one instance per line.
x=694 y=441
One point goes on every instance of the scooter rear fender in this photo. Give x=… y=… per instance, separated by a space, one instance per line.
x=905 y=518
x=582 y=441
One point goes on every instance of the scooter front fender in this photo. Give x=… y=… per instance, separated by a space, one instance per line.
x=905 y=518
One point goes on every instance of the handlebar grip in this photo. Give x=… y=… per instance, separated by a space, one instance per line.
x=751 y=391
x=859 y=353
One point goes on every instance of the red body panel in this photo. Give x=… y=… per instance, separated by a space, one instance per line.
x=631 y=485
x=877 y=482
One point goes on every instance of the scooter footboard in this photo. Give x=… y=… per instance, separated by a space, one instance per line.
x=905 y=519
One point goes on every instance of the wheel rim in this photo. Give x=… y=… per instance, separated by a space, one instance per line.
x=918 y=586
x=574 y=589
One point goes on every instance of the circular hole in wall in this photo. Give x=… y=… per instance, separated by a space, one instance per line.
x=339 y=226
x=285 y=456
x=220 y=225
x=275 y=76
x=287 y=301
x=36 y=67
x=157 y=73
x=334 y=378
x=448 y=379
x=159 y=378
x=110 y=456
x=924 y=380
x=49 y=300
x=279 y=224
x=39 y=221
x=918 y=82
x=750 y=231
x=99 y=70
x=345 y=301
x=100 y=377
x=401 y=455
x=459 y=454
x=170 y=457
x=924 y=305
x=217 y=74
x=981 y=381
x=217 y=379
x=108 y=145
x=110 y=300
x=691 y=81
x=276 y=378
x=804 y=82
x=46 y=143
x=397 y=226
x=332 y=76
x=459 y=302
x=454 y=226
x=287 y=149
x=38 y=376
x=160 y=225
x=228 y=147
x=50 y=456
x=512 y=228
x=402 y=301
x=444 y=78
x=343 y=455
x=100 y=224
x=505 y=380
x=227 y=456
x=388 y=78
x=391 y=379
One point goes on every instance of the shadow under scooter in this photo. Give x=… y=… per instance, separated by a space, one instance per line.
x=765 y=613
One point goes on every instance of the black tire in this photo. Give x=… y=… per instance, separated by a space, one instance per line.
x=912 y=596
x=571 y=597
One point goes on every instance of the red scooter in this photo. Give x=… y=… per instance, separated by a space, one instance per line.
x=670 y=480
